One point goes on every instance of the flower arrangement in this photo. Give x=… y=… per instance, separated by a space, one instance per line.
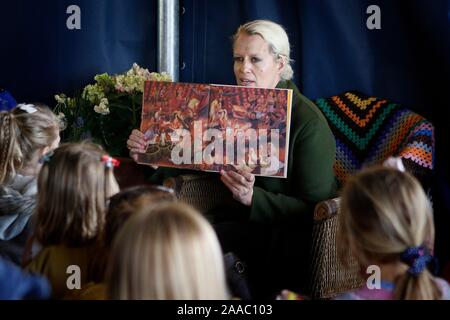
x=106 y=111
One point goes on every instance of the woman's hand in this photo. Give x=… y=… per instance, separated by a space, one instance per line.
x=240 y=184
x=136 y=143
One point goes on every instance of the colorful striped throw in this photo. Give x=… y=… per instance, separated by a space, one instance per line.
x=368 y=130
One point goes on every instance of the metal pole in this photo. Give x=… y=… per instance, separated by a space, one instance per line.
x=168 y=37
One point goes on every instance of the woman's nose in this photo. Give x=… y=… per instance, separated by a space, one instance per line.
x=245 y=66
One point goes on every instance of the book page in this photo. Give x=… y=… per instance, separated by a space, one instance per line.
x=215 y=127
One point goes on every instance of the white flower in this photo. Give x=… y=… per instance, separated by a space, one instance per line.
x=60 y=98
x=62 y=121
x=93 y=92
x=102 y=108
x=163 y=76
x=119 y=87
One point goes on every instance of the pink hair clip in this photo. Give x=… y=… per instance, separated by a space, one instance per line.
x=110 y=161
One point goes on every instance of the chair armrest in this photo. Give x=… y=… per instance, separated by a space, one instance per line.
x=327 y=209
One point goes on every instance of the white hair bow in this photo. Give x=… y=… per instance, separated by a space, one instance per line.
x=30 y=108
x=394 y=163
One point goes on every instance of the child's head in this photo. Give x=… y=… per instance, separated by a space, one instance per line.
x=73 y=186
x=127 y=202
x=166 y=252
x=122 y=206
x=384 y=213
x=26 y=133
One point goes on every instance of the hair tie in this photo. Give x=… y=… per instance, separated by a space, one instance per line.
x=46 y=157
x=417 y=258
x=29 y=108
x=110 y=161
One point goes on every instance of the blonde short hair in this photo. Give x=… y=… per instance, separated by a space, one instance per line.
x=22 y=134
x=383 y=212
x=73 y=187
x=277 y=38
x=167 y=252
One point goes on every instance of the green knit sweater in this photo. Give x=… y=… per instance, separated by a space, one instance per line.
x=310 y=176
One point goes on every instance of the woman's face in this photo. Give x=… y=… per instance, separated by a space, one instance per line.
x=254 y=64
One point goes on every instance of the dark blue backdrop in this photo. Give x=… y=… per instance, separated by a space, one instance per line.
x=406 y=61
x=40 y=56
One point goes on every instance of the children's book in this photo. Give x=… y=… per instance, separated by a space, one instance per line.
x=211 y=127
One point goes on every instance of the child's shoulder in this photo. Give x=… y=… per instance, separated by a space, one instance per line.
x=445 y=288
x=57 y=263
x=384 y=294
x=55 y=255
x=37 y=262
x=89 y=291
x=364 y=293
x=26 y=185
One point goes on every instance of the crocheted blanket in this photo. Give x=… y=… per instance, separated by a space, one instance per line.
x=368 y=130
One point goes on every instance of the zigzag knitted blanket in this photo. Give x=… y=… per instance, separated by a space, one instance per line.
x=368 y=130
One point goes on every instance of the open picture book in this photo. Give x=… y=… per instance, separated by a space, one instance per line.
x=213 y=127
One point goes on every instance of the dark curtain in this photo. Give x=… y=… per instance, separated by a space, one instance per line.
x=40 y=56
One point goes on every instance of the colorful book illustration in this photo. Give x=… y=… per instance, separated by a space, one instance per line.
x=214 y=127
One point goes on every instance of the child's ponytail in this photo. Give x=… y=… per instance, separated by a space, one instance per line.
x=417 y=283
x=386 y=218
x=23 y=131
x=9 y=152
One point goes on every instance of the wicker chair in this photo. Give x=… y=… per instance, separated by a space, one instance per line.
x=192 y=188
x=328 y=276
x=368 y=130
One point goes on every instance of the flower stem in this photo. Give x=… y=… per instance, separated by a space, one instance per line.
x=102 y=128
x=134 y=111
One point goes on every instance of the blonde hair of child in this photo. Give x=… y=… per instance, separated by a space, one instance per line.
x=383 y=212
x=167 y=252
x=73 y=187
x=22 y=135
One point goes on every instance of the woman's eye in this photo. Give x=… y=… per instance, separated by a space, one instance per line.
x=237 y=59
x=254 y=60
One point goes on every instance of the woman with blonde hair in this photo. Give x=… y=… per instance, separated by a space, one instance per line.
x=271 y=214
x=74 y=184
x=387 y=221
x=167 y=252
x=26 y=133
